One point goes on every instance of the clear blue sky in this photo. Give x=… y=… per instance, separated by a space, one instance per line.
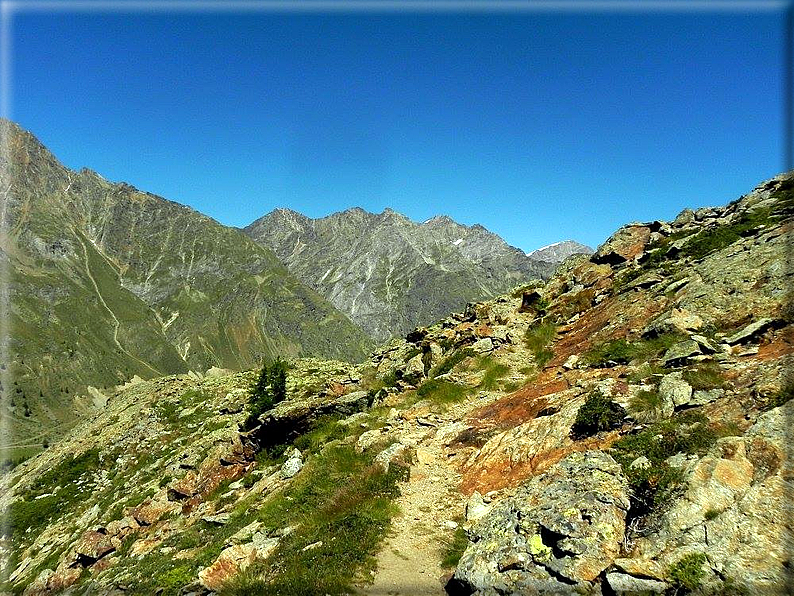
x=538 y=126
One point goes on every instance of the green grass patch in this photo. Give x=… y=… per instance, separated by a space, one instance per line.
x=537 y=340
x=340 y=500
x=645 y=405
x=439 y=391
x=325 y=430
x=449 y=362
x=69 y=481
x=455 y=548
x=494 y=372
x=622 y=351
x=704 y=376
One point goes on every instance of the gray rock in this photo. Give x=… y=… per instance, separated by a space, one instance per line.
x=391 y=453
x=750 y=331
x=476 y=507
x=674 y=392
x=628 y=585
x=681 y=352
x=702 y=397
x=293 y=464
x=557 y=532
x=481 y=346
x=414 y=370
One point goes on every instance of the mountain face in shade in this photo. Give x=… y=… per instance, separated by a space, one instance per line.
x=559 y=251
x=108 y=282
x=390 y=274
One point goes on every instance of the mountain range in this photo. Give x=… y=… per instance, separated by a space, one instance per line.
x=389 y=273
x=108 y=282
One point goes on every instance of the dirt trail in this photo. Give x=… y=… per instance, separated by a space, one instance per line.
x=409 y=563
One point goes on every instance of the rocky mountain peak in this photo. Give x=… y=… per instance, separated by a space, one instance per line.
x=390 y=273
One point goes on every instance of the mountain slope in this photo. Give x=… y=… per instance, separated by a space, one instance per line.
x=679 y=482
x=109 y=282
x=388 y=273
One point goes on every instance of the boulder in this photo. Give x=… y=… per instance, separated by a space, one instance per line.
x=414 y=370
x=675 y=321
x=623 y=584
x=476 y=507
x=750 y=331
x=736 y=509
x=674 y=392
x=483 y=346
x=293 y=464
x=680 y=352
x=557 y=533
x=627 y=243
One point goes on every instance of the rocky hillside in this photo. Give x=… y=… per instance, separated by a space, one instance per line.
x=390 y=274
x=108 y=282
x=559 y=251
x=623 y=428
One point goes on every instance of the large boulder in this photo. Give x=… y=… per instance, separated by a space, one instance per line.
x=558 y=532
x=624 y=245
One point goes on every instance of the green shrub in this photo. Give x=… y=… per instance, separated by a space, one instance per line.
x=687 y=573
x=711 y=514
x=652 y=486
x=598 y=413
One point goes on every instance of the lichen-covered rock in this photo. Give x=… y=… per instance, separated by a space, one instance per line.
x=561 y=529
x=736 y=510
x=681 y=352
x=293 y=464
x=674 y=392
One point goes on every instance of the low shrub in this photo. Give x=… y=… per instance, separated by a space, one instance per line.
x=687 y=573
x=598 y=413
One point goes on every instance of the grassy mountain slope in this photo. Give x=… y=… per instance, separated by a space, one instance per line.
x=109 y=282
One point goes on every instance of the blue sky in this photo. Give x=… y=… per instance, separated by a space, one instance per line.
x=540 y=126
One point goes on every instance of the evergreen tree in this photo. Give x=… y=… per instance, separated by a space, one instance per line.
x=270 y=388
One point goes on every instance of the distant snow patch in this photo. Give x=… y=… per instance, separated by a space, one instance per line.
x=458 y=241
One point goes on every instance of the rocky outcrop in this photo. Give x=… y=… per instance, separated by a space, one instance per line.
x=555 y=535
